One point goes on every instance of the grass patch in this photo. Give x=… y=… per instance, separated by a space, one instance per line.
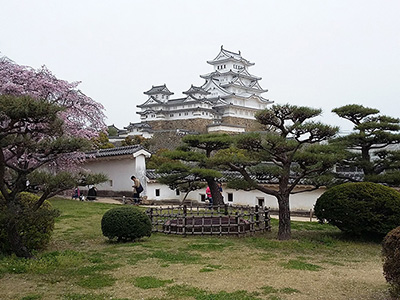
x=210 y=268
x=32 y=297
x=81 y=264
x=238 y=295
x=268 y=290
x=183 y=290
x=150 y=282
x=331 y=262
x=268 y=256
x=209 y=246
x=97 y=281
x=296 y=264
x=176 y=257
x=90 y=297
x=289 y=291
x=136 y=257
x=89 y=270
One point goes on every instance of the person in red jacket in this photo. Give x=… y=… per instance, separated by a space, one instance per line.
x=209 y=196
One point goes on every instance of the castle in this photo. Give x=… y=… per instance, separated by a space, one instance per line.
x=226 y=102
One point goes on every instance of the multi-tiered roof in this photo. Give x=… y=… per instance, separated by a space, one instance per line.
x=229 y=91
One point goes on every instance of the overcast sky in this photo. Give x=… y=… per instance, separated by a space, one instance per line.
x=322 y=54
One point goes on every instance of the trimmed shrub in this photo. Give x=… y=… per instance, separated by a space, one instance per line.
x=391 y=260
x=35 y=227
x=362 y=208
x=125 y=223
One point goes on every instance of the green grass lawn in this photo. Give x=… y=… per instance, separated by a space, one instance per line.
x=318 y=263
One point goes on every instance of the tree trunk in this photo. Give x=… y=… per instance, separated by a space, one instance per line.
x=366 y=161
x=284 y=232
x=215 y=193
x=15 y=240
x=13 y=215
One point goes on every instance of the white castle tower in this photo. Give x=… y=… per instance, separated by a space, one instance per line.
x=227 y=101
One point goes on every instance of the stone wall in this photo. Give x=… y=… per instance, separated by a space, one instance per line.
x=250 y=125
x=198 y=125
x=165 y=140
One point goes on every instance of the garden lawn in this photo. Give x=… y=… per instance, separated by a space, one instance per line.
x=81 y=264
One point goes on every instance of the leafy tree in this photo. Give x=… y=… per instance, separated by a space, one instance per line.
x=112 y=130
x=45 y=125
x=191 y=164
x=369 y=142
x=136 y=140
x=288 y=155
x=157 y=159
x=102 y=141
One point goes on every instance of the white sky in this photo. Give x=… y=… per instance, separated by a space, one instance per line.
x=322 y=54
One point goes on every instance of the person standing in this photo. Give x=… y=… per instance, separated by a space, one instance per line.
x=137 y=189
x=209 y=196
x=77 y=194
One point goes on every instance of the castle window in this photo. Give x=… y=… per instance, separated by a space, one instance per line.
x=186 y=113
x=157 y=192
x=179 y=114
x=202 y=197
x=230 y=197
x=171 y=115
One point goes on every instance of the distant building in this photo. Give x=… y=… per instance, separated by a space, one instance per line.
x=119 y=164
x=227 y=101
x=302 y=200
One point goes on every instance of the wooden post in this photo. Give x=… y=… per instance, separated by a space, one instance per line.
x=151 y=217
x=267 y=219
x=184 y=220
x=237 y=223
x=256 y=210
x=311 y=214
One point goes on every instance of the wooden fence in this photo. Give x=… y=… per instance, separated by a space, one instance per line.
x=220 y=220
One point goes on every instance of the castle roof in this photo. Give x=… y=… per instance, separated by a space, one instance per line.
x=150 y=102
x=159 y=89
x=262 y=99
x=241 y=73
x=196 y=90
x=225 y=55
x=138 y=125
x=117 y=151
x=254 y=85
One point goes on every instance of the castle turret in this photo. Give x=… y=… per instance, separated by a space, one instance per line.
x=159 y=92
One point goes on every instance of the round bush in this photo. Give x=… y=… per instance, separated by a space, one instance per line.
x=125 y=223
x=35 y=227
x=391 y=260
x=362 y=208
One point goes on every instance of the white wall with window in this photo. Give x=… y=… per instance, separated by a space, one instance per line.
x=298 y=202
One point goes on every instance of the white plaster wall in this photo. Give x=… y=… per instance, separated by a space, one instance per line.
x=119 y=171
x=302 y=201
x=225 y=128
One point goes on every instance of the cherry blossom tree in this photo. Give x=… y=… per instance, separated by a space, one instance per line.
x=46 y=124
